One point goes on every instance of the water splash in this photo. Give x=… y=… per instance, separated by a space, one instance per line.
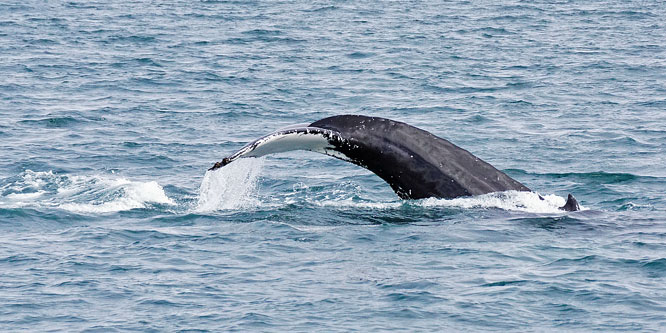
x=509 y=200
x=121 y=195
x=230 y=187
x=350 y=197
x=80 y=193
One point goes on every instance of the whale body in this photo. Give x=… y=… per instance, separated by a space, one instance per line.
x=414 y=162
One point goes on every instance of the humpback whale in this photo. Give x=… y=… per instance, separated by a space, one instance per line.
x=414 y=162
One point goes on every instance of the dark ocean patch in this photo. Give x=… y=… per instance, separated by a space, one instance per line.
x=322 y=9
x=130 y=39
x=476 y=119
x=41 y=41
x=262 y=32
x=599 y=177
x=53 y=122
x=505 y=283
x=359 y=55
x=655 y=268
x=79 y=5
x=553 y=223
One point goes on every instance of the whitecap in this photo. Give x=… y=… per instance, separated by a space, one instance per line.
x=81 y=193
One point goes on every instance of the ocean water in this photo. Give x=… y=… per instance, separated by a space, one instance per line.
x=112 y=111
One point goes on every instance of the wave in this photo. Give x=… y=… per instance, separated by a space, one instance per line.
x=79 y=193
x=53 y=122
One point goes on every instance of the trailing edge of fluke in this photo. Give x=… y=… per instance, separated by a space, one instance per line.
x=415 y=163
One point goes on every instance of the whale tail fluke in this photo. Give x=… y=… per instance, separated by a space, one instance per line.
x=414 y=162
x=571 y=205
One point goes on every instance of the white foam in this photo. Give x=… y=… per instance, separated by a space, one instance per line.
x=230 y=187
x=509 y=200
x=81 y=193
x=25 y=196
x=37 y=179
x=350 y=203
x=132 y=195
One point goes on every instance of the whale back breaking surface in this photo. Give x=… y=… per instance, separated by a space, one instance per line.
x=414 y=162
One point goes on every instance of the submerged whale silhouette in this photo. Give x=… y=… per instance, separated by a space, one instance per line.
x=415 y=163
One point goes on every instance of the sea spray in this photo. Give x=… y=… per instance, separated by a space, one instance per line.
x=230 y=187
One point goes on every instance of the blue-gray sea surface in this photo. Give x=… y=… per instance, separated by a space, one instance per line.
x=111 y=112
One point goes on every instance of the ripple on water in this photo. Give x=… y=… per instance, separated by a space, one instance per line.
x=110 y=113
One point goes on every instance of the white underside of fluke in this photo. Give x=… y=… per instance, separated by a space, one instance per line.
x=290 y=139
